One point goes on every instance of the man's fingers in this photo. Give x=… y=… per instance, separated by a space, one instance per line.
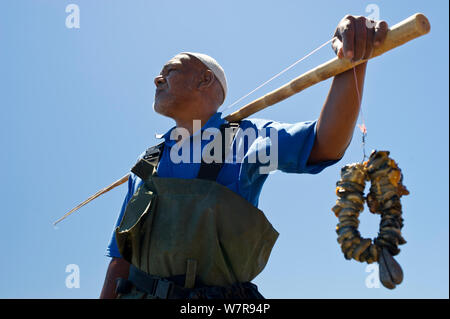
x=347 y=31
x=336 y=44
x=360 y=38
x=357 y=36
x=369 y=42
x=381 y=29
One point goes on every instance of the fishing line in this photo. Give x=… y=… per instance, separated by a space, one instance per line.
x=361 y=126
x=278 y=74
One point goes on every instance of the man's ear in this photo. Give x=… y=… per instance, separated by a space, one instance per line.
x=206 y=80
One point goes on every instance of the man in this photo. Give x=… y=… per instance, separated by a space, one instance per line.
x=192 y=87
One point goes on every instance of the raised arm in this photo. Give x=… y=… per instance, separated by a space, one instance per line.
x=355 y=39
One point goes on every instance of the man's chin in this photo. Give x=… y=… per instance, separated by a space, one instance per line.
x=160 y=109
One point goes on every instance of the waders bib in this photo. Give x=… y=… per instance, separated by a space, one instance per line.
x=193 y=227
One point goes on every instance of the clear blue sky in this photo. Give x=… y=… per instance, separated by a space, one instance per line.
x=76 y=111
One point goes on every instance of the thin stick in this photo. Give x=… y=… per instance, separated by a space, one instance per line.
x=100 y=192
x=405 y=31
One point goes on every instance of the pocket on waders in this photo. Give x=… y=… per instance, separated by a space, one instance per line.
x=136 y=220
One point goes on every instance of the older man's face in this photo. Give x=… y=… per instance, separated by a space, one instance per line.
x=175 y=86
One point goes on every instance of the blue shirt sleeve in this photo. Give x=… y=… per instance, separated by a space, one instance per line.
x=113 y=250
x=294 y=145
x=295 y=142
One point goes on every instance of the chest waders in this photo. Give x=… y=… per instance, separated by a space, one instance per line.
x=191 y=238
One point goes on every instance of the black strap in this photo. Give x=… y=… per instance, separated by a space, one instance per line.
x=147 y=165
x=169 y=288
x=162 y=288
x=210 y=171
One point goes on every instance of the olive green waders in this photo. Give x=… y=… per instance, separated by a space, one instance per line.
x=194 y=228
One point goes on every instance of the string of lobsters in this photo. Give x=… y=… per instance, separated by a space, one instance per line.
x=386 y=189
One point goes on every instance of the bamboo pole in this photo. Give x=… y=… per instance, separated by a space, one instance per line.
x=405 y=31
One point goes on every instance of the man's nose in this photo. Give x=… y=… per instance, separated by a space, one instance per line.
x=159 y=80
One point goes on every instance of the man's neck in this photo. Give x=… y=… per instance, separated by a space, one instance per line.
x=189 y=124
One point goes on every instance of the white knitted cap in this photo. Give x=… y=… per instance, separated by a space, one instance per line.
x=215 y=67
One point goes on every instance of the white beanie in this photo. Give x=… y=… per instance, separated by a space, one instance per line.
x=215 y=67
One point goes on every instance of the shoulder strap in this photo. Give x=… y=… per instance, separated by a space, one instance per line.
x=210 y=171
x=147 y=164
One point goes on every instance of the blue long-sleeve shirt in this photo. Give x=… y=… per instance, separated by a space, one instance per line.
x=243 y=175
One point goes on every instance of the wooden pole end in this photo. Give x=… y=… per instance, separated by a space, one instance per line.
x=422 y=23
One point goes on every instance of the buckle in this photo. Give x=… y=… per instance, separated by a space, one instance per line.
x=234 y=125
x=152 y=152
x=163 y=289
